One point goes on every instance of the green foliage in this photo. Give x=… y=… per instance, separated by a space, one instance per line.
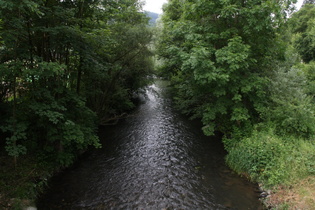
x=309 y=72
x=271 y=159
x=66 y=66
x=218 y=55
x=279 y=150
x=291 y=109
x=303 y=28
x=66 y=125
x=232 y=65
x=23 y=183
x=14 y=142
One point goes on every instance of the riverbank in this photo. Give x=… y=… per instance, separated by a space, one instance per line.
x=282 y=164
x=20 y=185
x=285 y=166
x=300 y=195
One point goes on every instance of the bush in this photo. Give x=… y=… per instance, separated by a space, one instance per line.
x=291 y=108
x=55 y=129
x=272 y=160
x=61 y=128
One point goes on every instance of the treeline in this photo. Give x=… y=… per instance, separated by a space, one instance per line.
x=67 y=66
x=246 y=70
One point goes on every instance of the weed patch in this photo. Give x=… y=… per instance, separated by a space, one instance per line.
x=300 y=195
x=273 y=160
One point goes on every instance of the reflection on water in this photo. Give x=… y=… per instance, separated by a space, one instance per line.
x=156 y=159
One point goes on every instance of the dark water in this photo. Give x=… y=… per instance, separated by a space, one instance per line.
x=155 y=159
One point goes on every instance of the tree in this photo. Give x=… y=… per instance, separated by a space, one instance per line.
x=303 y=28
x=219 y=55
x=66 y=65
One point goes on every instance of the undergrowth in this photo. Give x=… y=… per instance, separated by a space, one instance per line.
x=300 y=195
x=273 y=160
x=21 y=184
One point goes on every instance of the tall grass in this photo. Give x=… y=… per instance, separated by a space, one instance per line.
x=271 y=159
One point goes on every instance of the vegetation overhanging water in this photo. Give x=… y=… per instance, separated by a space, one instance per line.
x=155 y=159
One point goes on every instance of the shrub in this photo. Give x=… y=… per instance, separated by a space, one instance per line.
x=291 y=109
x=271 y=159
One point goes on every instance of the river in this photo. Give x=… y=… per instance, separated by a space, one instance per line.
x=154 y=159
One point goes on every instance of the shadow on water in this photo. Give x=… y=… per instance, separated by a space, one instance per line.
x=155 y=159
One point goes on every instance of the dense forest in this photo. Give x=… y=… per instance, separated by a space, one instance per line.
x=66 y=67
x=246 y=69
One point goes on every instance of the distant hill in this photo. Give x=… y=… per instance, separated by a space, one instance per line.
x=153 y=16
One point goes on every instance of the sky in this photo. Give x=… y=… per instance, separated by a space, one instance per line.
x=298 y=4
x=156 y=5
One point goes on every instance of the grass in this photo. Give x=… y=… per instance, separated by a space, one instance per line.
x=300 y=195
x=273 y=160
x=284 y=164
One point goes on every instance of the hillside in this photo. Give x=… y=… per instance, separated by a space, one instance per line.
x=153 y=16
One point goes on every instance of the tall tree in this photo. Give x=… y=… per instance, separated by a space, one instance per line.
x=303 y=27
x=219 y=54
x=63 y=62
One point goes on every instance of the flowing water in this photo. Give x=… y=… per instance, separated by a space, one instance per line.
x=155 y=159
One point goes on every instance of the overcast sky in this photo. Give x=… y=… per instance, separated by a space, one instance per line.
x=299 y=3
x=156 y=5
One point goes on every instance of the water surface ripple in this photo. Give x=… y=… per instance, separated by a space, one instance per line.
x=155 y=159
